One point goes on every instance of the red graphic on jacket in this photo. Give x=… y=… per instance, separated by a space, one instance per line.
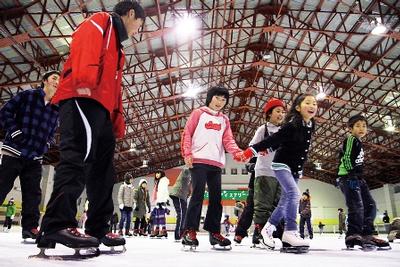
x=213 y=126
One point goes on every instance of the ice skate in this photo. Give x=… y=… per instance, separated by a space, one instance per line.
x=257 y=236
x=238 y=239
x=71 y=238
x=155 y=233
x=128 y=234
x=375 y=241
x=393 y=235
x=112 y=240
x=219 y=242
x=135 y=232
x=31 y=234
x=293 y=243
x=189 y=240
x=355 y=240
x=266 y=237
x=163 y=233
x=142 y=233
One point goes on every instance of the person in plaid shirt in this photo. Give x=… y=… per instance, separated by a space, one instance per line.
x=29 y=120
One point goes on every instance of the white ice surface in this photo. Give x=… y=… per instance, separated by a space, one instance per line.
x=326 y=250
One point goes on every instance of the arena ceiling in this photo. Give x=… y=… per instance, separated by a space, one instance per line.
x=258 y=49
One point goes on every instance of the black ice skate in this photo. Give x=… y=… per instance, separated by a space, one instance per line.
x=238 y=239
x=219 y=242
x=163 y=233
x=293 y=243
x=71 y=238
x=377 y=242
x=113 y=240
x=355 y=240
x=189 y=239
x=257 y=236
x=32 y=233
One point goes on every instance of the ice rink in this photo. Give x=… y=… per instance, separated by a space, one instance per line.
x=325 y=250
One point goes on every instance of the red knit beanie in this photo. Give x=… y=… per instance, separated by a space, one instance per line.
x=272 y=103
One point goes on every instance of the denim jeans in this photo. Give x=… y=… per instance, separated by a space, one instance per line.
x=125 y=218
x=360 y=204
x=288 y=202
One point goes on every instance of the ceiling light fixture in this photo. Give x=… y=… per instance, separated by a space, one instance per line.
x=379 y=28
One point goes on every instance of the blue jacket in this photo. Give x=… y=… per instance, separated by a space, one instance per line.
x=29 y=123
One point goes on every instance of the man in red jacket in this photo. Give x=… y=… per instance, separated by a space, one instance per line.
x=91 y=118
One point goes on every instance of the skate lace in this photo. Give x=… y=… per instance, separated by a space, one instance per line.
x=75 y=232
x=218 y=236
x=192 y=234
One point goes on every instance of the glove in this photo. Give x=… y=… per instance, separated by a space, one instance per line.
x=12 y=217
x=168 y=204
x=137 y=209
x=121 y=206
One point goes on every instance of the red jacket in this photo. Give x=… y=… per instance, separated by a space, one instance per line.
x=91 y=71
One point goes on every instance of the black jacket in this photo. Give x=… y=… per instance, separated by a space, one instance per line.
x=294 y=141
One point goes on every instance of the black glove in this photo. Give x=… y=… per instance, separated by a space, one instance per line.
x=168 y=203
x=137 y=209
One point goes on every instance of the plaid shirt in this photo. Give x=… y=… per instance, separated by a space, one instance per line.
x=29 y=123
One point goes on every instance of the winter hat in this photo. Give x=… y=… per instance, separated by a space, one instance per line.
x=272 y=103
x=142 y=181
x=219 y=91
x=307 y=193
x=46 y=75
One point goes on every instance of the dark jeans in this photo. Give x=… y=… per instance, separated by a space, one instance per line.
x=307 y=221
x=7 y=222
x=140 y=223
x=180 y=207
x=87 y=147
x=126 y=218
x=113 y=227
x=202 y=174
x=30 y=174
x=245 y=220
x=360 y=204
x=267 y=193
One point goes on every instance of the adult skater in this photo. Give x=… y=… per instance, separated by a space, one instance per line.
x=142 y=207
x=125 y=204
x=359 y=201
x=292 y=142
x=305 y=214
x=179 y=195
x=30 y=121
x=160 y=199
x=90 y=119
x=206 y=137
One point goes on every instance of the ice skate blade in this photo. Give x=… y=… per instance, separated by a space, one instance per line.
x=74 y=257
x=113 y=251
x=365 y=248
x=295 y=250
x=221 y=248
x=28 y=241
x=189 y=248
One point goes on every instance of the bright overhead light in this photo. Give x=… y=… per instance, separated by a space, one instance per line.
x=318 y=165
x=186 y=26
x=192 y=90
x=266 y=56
x=380 y=28
x=145 y=163
x=389 y=124
x=321 y=95
x=133 y=147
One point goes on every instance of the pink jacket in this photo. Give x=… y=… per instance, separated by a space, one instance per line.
x=206 y=137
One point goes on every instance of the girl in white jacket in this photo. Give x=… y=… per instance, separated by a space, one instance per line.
x=160 y=198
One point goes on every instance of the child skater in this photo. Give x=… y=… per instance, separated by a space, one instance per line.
x=360 y=204
x=10 y=213
x=266 y=188
x=206 y=137
x=292 y=142
x=160 y=198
